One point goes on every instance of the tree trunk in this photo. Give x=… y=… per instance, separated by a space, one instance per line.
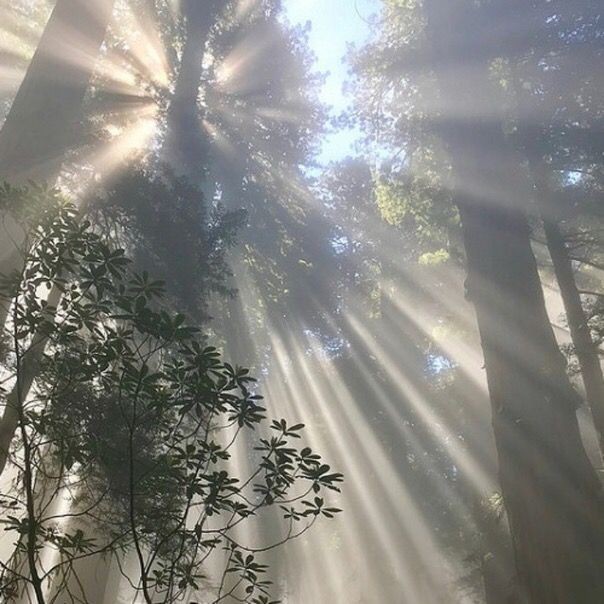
x=42 y=122
x=551 y=492
x=184 y=147
x=41 y=126
x=43 y=119
x=29 y=369
x=585 y=349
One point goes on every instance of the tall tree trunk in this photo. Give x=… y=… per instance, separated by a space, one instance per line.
x=28 y=372
x=585 y=348
x=551 y=492
x=184 y=147
x=40 y=127
x=43 y=120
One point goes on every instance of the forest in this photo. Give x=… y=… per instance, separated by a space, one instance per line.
x=302 y=301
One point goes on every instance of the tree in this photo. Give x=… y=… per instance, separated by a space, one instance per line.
x=584 y=347
x=134 y=417
x=408 y=352
x=185 y=141
x=42 y=123
x=210 y=231
x=264 y=119
x=554 y=105
x=168 y=226
x=550 y=490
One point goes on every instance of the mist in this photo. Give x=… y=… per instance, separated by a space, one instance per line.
x=302 y=301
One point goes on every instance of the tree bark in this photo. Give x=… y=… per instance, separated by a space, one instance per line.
x=185 y=144
x=43 y=120
x=551 y=492
x=41 y=126
x=28 y=370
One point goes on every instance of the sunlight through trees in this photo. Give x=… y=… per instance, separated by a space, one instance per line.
x=383 y=222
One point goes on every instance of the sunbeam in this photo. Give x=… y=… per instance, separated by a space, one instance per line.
x=301 y=302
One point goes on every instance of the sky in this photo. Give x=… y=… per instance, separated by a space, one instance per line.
x=334 y=24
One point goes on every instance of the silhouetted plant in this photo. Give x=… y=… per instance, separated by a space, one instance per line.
x=133 y=417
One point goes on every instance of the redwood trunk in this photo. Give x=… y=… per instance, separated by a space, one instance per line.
x=43 y=120
x=585 y=349
x=185 y=148
x=41 y=125
x=28 y=371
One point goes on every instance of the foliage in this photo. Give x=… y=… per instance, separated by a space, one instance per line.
x=134 y=418
x=172 y=230
x=417 y=206
x=261 y=120
x=265 y=120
